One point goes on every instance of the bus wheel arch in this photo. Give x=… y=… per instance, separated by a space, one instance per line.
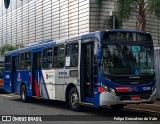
x=23 y=92
x=71 y=89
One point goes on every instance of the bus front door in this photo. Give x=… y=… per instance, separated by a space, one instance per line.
x=36 y=68
x=87 y=71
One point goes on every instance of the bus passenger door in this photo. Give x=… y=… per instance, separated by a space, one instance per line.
x=13 y=74
x=87 y=71
x=36 y=68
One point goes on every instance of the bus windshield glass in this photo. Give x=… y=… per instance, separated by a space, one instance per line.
x=127 y=59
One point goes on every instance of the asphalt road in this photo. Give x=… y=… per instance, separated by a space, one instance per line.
x=55 y=110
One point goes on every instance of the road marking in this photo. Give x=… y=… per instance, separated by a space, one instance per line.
x=9 y=95
x=6 y=95
x=135 y=109
x=153 y=105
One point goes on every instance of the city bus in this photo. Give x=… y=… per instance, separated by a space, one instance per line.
x=1 y=74
x=103 y=68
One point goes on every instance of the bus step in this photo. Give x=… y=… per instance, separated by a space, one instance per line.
x=86 y=103
x=37 y=97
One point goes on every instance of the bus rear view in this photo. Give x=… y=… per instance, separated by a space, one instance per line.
x=126 y=68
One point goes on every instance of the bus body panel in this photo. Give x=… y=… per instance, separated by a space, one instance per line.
x=7 y=81
x=107 y=98
x=23 y=77
x=52 y=83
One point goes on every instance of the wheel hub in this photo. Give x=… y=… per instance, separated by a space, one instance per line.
x=23 y=94
x=74 y=99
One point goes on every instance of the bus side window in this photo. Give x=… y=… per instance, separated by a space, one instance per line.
x=72 y=52
x=55 y=64
x=21 y=61
x=47 y=58
x=8 y=63
x=59 y=56
x=27 y=65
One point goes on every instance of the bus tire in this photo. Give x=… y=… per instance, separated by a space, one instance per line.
x=117 y=107
x=24 y=97
x=74 y=99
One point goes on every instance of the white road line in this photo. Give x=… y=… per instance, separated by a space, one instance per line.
x=151 y=105
x=6 y=95
x=135 y=109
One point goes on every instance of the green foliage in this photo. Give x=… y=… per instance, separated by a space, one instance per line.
x=126 y=8
x=138 y=8
x=118 y=22
x=153 y=7
x=99 y=3
x=7 y=47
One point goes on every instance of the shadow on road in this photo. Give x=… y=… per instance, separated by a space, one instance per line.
x=101 y=112
x=3 y=92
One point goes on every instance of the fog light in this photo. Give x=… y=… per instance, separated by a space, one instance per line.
x=112 y=91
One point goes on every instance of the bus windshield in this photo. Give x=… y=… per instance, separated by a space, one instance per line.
x=127 y=59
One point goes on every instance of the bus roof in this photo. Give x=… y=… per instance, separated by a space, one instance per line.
x=33 y=46
x=47 y=43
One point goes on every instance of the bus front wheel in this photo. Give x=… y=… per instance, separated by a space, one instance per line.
x=24 y=97
x=74 y=100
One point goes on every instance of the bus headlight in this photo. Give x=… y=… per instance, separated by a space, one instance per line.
x=105 y=86
x=112 y=91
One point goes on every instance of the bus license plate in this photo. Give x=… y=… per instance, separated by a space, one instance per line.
x=135 y=98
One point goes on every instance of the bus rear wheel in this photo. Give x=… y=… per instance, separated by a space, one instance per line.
x=24 y=97
x=74 y=100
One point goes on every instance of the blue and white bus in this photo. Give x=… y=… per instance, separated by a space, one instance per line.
x=103 y=68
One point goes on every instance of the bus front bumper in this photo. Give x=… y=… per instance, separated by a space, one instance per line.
x=107 y=98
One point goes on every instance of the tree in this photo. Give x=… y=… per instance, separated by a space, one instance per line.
x=118 y=23
x=138 y=8
x=6 y=47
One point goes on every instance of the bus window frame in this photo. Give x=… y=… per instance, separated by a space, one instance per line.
x=20 y=61
x=27 y=60
x=48 y=47
x=7 y=63
x=72 y=67
x=58 y=55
